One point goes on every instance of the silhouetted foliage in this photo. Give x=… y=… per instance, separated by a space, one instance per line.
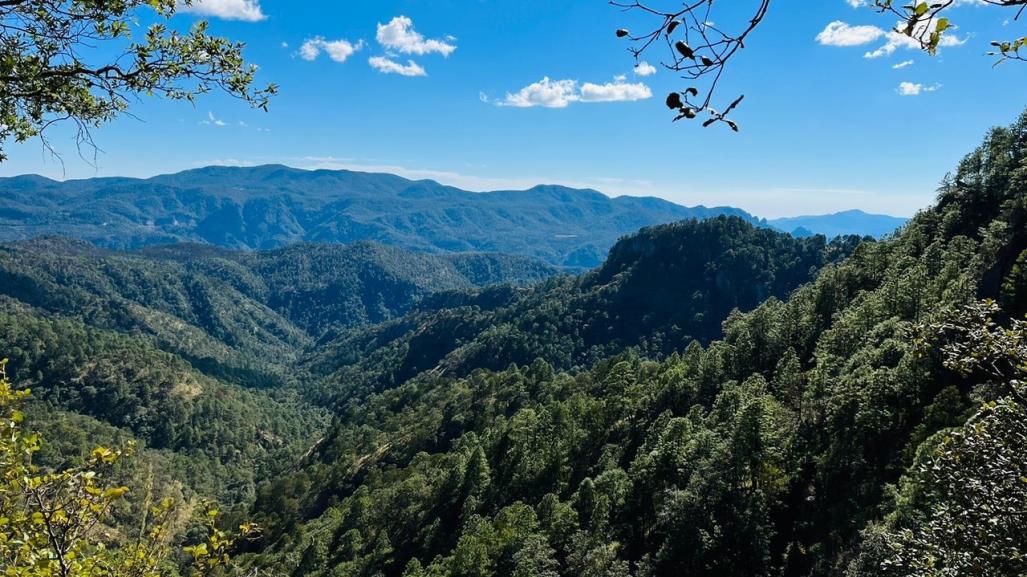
x=698 y=41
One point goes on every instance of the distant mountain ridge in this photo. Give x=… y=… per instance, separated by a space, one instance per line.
x=839 y=224
x=271 y=206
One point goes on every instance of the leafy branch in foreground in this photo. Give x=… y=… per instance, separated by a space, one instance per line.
x=967 y=493
x=59 y=523
x=979 y=347
x=698 y=44
x=973 y=488
x=77 y=60
x=924 y=23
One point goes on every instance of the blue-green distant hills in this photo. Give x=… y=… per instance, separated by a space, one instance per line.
x=839 y=224
x=270 y=206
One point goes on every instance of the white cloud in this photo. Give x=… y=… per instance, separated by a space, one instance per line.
x=617 y=91
x=915 y=89
x=561 y=93
x=387 y=66
x=337 y=50
x=895 y=40
x=246 y=10
x=902 y=64
x=547 y=93
x=310 y=49
x=212 y=120
x=645 y=69
x=839 y=33
x=399 y=35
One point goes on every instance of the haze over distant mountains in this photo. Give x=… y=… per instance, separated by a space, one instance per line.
x=271 y=206
x=840 y=223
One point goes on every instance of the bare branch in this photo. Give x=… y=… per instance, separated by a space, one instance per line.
x=695 y=47
x=698 y=46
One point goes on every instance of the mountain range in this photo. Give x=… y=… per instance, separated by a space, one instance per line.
x=270 y=206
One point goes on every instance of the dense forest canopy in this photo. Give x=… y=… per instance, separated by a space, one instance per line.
x=658 y=290
x=195 y=351
x=226 y=365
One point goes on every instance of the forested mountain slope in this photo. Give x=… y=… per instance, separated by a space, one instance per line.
x=192 y=349
x=321 y=286
x=216 y=360
x=240 y=313
x=658 y=290
x=826 y=434
x=99 y=386
x=270 y=206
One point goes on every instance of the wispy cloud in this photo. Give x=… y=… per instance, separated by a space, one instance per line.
x=212 y=120
x=246 y=10
x=549 y=93
x=388 y=66
x=915 y=88
x=337 y=50
x=903 y=64
x=894 y=40
x=472 y=182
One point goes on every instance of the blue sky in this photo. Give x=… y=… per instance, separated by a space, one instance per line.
x=824 y=126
